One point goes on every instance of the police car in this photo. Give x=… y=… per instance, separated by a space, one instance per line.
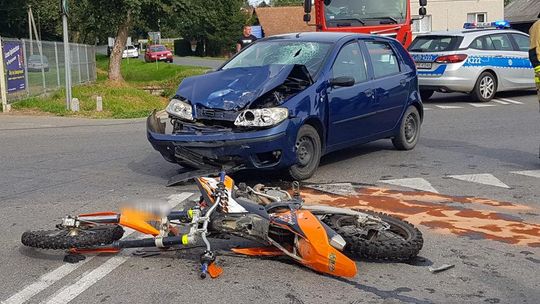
x=481 y=60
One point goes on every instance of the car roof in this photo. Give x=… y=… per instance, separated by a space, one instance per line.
x=469 y=35
x=331 y=37
x=470 y=32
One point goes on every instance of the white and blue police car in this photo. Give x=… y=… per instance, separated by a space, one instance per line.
x=480 y=60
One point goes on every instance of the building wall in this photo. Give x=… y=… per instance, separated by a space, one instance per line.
x=452 y=14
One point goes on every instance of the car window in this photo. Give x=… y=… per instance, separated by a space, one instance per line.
x=310 y=54
x=427 y=44
x=383 y=58
x=482 y=43
x=159 y=48
x=501 y=42
x=350 y=62
x=522 y=41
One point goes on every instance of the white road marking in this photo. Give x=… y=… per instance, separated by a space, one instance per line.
x=43 y=282
x=57 y=274
x=448 y=107
x=336 y=188
x=500 y=101
x=414 y=183
x=511 y=101
x=485 y=179
x=427 y=109
x=69 y=293
x=531 y=173
x=481 y=105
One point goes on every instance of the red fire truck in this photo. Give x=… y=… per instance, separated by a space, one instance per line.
x=382 y=17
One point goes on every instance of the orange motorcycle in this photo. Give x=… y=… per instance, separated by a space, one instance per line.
x=319 y=237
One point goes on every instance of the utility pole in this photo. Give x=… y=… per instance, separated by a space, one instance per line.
x=65 y=10
x=30 y=29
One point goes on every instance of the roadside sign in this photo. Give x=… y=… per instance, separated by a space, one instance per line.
x=14 y=62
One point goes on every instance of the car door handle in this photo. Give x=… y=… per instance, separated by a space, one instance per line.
x=403 y=82
x=369 y=93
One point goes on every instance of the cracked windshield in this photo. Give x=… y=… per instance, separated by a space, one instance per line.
x=310 y=54
x=341 y=13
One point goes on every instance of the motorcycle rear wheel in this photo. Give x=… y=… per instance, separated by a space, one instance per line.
x=67 y=239
x=401 y=242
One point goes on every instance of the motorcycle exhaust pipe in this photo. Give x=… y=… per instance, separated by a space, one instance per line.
x=151 y=242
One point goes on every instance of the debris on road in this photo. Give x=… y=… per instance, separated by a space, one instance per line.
x=441 y=268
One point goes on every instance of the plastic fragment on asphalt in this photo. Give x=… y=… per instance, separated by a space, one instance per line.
x=440 y=268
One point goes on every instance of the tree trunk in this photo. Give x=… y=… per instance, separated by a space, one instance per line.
x=118 y=49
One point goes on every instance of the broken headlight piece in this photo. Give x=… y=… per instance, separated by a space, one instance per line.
x=261 y=117
x=180 y=108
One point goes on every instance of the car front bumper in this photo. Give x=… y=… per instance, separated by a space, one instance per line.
x=268 y=148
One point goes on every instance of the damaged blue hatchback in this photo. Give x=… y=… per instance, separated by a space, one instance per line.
x=285 y=101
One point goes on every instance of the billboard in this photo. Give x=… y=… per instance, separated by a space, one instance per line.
x=14 y=61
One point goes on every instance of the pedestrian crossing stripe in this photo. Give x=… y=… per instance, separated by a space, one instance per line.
x=485 y=179
x=413 y=183
x=531 y=173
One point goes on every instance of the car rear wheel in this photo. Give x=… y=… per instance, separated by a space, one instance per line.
x=485 y=88
x=426 y=94
x=308 y=153
x=409 y=130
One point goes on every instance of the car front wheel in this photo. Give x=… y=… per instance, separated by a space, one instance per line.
x=409 y=130
x=485 y=88
x=308 y=153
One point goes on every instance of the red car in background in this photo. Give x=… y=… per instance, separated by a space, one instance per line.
x=158 y=52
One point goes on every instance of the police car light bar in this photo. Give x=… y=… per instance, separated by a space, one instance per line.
x=502 y=24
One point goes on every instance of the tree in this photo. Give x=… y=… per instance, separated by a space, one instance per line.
x=286 y=2
x=215 y=25
x=506 y=2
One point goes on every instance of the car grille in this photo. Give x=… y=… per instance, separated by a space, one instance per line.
x=216 y=114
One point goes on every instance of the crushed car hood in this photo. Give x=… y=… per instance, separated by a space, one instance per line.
x=236 y=88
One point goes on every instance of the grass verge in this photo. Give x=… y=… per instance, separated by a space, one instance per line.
x=127 y=100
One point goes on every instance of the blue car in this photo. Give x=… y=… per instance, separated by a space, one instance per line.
x=285 y=101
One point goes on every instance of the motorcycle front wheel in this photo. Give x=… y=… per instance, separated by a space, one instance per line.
x=401 y=242
x=73 y=238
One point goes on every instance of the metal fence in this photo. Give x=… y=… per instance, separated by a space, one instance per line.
x=44 y=67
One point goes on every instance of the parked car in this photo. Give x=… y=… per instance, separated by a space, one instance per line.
x=36 y=63
x=158 y=53
x=481 y=60
x=285 y=101
x=130 y=52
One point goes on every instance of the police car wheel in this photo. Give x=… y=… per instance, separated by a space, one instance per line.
x=426 y=94
x=409 y=130
x=485 y=88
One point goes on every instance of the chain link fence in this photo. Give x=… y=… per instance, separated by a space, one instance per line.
x=44 y=66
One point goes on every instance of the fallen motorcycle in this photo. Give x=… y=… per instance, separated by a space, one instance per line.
x=320 y=237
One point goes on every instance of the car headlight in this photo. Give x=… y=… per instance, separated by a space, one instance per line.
x=261 y=117
x=180 y=109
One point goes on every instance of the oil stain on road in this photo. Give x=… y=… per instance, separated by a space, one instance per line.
x=465 y=216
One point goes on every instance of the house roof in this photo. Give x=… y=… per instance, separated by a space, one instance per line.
x=282 y=20
x=520 y=11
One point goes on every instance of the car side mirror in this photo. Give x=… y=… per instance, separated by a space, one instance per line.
x=342 y=81
x=422 y=11
x=423 y=2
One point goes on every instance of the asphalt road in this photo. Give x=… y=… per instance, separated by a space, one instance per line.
x=52 y=166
